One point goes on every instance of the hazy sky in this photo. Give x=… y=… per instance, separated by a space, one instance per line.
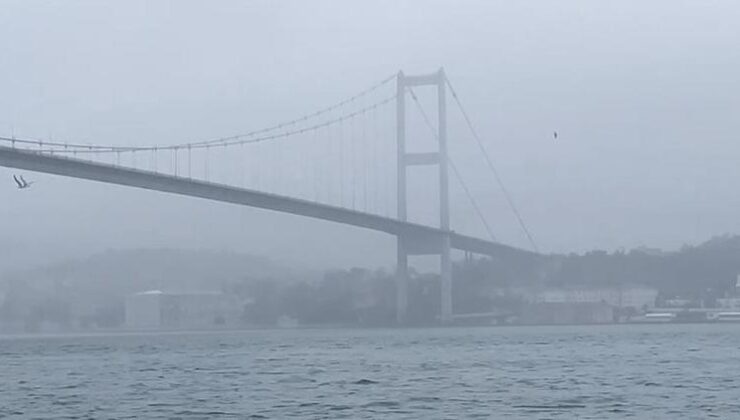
x=644 y=96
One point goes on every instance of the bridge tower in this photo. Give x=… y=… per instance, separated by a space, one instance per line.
x=414 y=244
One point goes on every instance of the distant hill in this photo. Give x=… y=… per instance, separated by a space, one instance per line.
x=91 y=292
x=122 y=272
x=706 y=271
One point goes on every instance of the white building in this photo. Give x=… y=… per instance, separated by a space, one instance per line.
x=197 y=310
x=731 y=302
x=627 y=297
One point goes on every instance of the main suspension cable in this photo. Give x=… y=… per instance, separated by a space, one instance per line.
x=455 y=171
x=221 y=141
x=492 y=167
x=192 y=146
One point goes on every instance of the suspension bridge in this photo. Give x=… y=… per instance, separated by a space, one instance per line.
x=345 y=163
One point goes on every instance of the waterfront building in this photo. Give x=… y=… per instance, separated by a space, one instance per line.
x=564 y=313
x=637 y=297
x=732 y=300
x=155 y=309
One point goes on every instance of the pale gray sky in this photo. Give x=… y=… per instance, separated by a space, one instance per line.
x=643 y=94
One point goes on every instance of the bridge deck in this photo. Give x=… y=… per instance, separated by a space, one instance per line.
x=112 y=174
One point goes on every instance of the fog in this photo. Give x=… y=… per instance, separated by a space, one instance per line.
x=611 y=127
x=643 y=96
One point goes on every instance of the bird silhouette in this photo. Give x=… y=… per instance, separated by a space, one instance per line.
x=21 y=182
x=555 y=135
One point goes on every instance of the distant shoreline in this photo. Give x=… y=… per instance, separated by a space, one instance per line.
x=123 y=333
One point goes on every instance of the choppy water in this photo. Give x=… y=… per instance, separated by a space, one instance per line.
x=639 y=371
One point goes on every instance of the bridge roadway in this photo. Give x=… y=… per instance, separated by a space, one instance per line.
x=419 y=239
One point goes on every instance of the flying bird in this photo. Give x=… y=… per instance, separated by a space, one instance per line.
x=555 y=135
x=21 y=182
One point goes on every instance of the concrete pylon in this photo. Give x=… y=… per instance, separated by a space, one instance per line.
x=409 y=245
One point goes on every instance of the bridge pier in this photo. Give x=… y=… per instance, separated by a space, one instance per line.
x=412 y=245
x=402 y=281
x=415 y=244
x=445 y=279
